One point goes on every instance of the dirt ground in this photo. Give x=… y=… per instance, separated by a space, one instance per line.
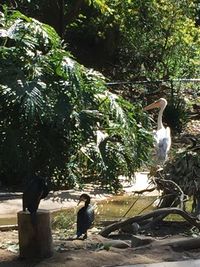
x=91 y=253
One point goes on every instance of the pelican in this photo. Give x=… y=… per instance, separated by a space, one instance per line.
x=162 y=135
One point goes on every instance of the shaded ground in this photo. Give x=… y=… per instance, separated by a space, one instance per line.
x=91 y=253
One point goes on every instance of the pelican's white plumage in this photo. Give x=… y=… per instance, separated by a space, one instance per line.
x=162 y=135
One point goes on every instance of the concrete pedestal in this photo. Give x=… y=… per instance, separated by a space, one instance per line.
x=35 y=241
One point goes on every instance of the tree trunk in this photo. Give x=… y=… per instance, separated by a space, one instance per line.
x=35 y=241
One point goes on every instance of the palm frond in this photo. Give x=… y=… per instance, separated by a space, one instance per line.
x=26 y=95
x=109 y=101
x=32 y=101
x=29 y=32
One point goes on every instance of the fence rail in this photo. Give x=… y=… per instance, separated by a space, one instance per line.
x=155 y=81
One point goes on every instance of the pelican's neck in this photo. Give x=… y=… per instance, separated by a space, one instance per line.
x=160 y=114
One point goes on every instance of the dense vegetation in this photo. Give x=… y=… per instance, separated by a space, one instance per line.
x=58 y=115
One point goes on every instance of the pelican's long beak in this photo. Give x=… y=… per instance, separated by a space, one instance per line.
x=155 y=104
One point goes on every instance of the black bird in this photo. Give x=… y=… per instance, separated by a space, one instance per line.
x=36 y=189
x=85 y=216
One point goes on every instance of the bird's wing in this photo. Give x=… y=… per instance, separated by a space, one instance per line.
x=90 y=213
x=162 y=149
x=85 y=218
x=81 y=221
x=163 y=142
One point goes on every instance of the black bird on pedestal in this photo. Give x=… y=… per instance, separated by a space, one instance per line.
x=85 y=216
x=36 y=190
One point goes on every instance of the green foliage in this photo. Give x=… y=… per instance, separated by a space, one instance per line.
x=159 y=38
x=183 y=169
x=154 y=39
x=63 y=220
x=177 y=111
x=53 y=109
x=141 y=39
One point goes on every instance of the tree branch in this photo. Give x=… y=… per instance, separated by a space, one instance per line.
x=159 y=212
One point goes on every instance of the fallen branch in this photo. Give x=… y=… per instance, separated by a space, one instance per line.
x=177 y=244
x=183 y=197
x=184 y=244
x=145 y=190
x=152 y=214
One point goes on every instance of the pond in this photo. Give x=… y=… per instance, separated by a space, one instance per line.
x=108 y=210
x=123 y=206
x=113 y=209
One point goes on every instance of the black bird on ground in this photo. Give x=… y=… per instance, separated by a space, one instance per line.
x=36 y=190
x=85 y=216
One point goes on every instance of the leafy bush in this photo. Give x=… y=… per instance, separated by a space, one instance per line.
x=57 y=117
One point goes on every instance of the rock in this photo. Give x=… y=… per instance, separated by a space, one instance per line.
x=137 y=241
x=116 y=244
x=130 y=228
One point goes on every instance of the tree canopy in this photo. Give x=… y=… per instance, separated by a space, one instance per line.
x=134 y=39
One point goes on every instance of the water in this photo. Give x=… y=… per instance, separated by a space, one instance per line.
x=108 y=210
x=8 y=221
x=123 y=207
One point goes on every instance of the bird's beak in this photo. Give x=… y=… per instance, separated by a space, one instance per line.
x=80 y=200
x=155 y=104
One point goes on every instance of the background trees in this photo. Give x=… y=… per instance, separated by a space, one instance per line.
x=134 y=39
